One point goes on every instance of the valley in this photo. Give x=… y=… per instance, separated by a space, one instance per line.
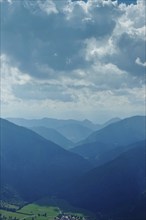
x=45 y=209
x=102 y=178
x=72 y=110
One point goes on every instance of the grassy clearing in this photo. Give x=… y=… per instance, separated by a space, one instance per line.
x=44 y=209
x=64 y=206
x=30 y=211
x=41 y=211
x=8 y=205
x=7 y=214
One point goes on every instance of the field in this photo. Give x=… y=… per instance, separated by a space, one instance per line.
x=32 y=211
x=44 y=209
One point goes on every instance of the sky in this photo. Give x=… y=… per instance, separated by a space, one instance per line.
x=73 y=59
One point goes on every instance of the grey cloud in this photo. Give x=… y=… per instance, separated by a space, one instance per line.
x=36 y=36
x=41 y=92
x=130 y=48
x=50 y=49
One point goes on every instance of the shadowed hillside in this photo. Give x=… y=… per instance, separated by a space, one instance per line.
x=34 y=165
x=54 y=136
x=109 y=142
x=115 y=188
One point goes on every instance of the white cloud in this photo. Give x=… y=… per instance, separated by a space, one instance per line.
x=12 y=73
x=133 y=19
x=38 y=7
x=138 y=61
x=10 y=76
x=98 y=49
x=48 y=7
x=9 y=1
x=124 y=44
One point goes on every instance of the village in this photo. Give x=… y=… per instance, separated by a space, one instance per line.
x=69 y=217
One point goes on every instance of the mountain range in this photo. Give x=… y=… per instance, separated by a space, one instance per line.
x=72 y=130
x=35 y=166
x=54 y=136
x=117 y=188
x=105 y=144
x=104 y=174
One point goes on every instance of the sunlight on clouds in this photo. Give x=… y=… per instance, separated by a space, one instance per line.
x=48 y=6
x=138 y=61
x=98 y=48
x=9 y=1
x=10 y=76
x=82 y=59
x=133 y=19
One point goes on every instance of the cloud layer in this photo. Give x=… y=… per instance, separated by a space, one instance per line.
x=72 y=59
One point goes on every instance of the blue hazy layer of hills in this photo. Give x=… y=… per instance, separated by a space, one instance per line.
x=73 y=130
x=97 y=167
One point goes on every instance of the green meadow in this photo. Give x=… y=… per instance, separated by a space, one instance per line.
x=44 y=209
x=31 y=211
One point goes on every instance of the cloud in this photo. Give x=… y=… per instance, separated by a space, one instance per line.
x=138 y=61
x=77 y=95
x=9 y=1
x=98 y=49
x=74 y=56
x=10 y=76
x=124 y=44
x=21 y=86
x=48 y=7
x=37 y=36
x=38 y=6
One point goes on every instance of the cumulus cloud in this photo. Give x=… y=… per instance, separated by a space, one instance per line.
x=98 y=49
x=22 y=86
x=138 y=61
x=9 y=1
x=10 y=76
x=75 y=56
x=38 y=6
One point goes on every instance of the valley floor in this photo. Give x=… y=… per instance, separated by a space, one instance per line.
x=41 y=210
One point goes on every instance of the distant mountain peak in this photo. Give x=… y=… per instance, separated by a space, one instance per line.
x=87 y=120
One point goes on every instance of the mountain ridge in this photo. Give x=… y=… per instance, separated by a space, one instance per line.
x=41 y=167
x=114 y=137
x=114 y=189
x=54 y=136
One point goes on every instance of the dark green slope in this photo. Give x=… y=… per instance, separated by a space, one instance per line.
x=114 y=189
x=34 y=165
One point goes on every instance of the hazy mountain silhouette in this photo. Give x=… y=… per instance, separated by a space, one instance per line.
x=123 y=132
x=35 y=166
x=107 y=143
x=96 y=152
x=54 y=136
x=71 y=129
x=75 y=132
x=51 y=122
x=115 y=188
x=111 y=121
